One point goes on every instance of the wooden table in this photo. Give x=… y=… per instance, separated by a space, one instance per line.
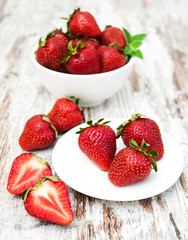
x=157 y=87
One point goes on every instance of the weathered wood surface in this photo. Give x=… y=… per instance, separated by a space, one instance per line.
x=158 y=87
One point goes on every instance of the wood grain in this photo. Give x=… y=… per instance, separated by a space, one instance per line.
x=157 y=87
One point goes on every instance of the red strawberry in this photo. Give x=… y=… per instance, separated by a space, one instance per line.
x=115 y=36
x=83 y=23
x=92 y=41
x=66 y=114
x=139 y=128
x=98 y=143
x=51 y=51
x=38 y=133
x=83 y=59
x=131 y=165
x=110 y=58
x=58 y=31
x=27 y=169
x=49 y=201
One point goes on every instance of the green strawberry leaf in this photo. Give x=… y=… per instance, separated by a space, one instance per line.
x=127 y=35
x=138 y=37
x=137 y=53
x=153 y=153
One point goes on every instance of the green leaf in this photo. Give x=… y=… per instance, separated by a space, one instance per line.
x=54 y=179
x=127 y=50
x=70 y=47
x=127 y=35
x=90 y=123
x=136 y=43
x=138 y=37
x=153 y=153
x=104 y=123
x=100 y=120
x=137 y=53
x=133 y=143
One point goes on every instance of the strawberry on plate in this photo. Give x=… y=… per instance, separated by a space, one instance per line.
x=98 y=143
x=49 y=200
x=26 y=170
x=38 y=133
x=66 y=114
x=140 y=127
x=132 y=164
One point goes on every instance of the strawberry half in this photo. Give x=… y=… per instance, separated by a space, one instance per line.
x=49 y=201
x=132 y=164
x=98 y=143
x=26 y=170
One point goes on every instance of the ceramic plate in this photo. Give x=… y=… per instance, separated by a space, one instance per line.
x=81 y=174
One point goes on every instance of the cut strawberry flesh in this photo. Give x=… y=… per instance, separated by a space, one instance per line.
x=50 y=202
x=25 y=172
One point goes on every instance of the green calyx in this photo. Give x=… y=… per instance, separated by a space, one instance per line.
x=46 y=118
x=69 y=19
x=90 y=123
x=37 y=186
x=121 y=127
x=73 y=50
x=42 y=43
x=132 y=45
x=76 y=101
x=143 y=149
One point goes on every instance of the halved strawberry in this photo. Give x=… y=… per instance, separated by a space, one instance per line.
x=26 y=170
x=49 y=201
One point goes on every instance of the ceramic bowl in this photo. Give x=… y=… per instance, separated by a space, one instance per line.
x=92 y=89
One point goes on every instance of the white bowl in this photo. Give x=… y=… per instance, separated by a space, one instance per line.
x=92 y=89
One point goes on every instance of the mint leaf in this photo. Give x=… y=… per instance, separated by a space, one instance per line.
x=137 y=53
x=127 y=35
x=127 y=50
x=138 y=37
x=136 y=43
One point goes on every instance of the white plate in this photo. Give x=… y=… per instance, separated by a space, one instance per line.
x=81 y=174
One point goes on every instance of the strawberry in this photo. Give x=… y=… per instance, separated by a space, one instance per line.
x=49 y=201
x=26 y=170
x=110 y=58
x=113 y=36
x=138 y=128
x=51 y=51
x=83 y=23
x=82 y=59
x=38 y=133
x=131 y=164
x=92 y=41
x=66 y=114
x=98 y=143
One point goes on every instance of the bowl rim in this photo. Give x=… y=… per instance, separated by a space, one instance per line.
x=33 y=57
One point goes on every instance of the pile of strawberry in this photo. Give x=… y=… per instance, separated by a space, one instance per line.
x=45 y=196
x=85 y=49
x=144 y=145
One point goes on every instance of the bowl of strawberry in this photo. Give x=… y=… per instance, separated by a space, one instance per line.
x=85 y=61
